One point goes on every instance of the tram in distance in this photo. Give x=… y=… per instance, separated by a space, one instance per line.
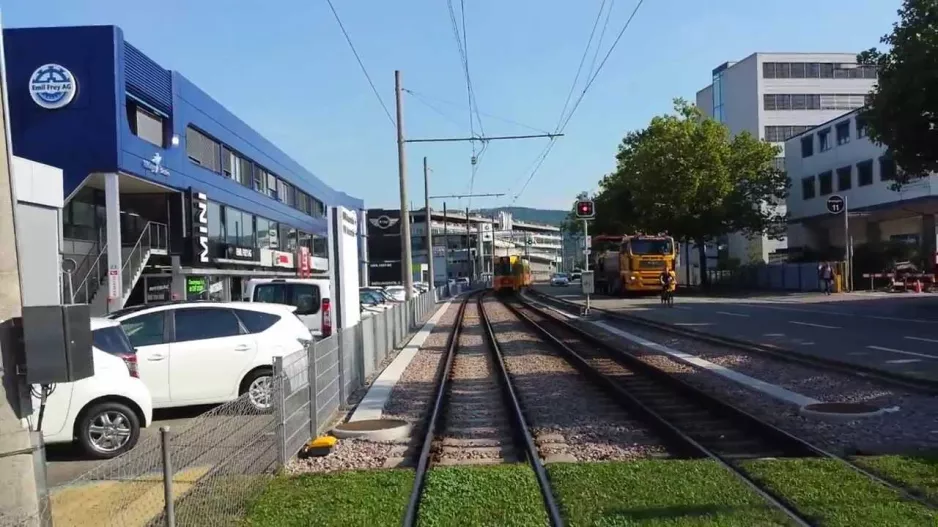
x=512 y=274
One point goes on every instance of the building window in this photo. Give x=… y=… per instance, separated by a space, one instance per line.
x=865 y=173
x=824 y=140
x=216 y=229
x=239 y=227
x=825 y=182
x=843 y=132
x=260 y=179
x=812 y=101
x=861 y=127
x=807 y=146
x=305 y=239
x=267 y=233
x=319 y=210
x=887 y=169
x=272 y=186
x=320 y=246
x=779 y=134
x=287 y=238
x=146 y=124
x=203 y=150
x=778 y=163
x=807 y=187
x=845 y=178
x=717 y=90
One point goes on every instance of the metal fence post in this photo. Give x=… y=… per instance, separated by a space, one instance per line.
x=340 y=353
x=277 y=400
x=169 y=508
x=313 y=390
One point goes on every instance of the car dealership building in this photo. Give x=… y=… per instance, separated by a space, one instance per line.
x=194 y=198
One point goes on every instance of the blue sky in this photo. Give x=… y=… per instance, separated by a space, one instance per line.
x=284 y=67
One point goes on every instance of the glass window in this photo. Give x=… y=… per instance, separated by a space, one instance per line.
x=216 y=229
x=768 y=102
x=320 y=246
x=112 y=340
x=783 y=70
x=768 y=70
x=256 y=322
x=145 y=124
x=843 y=132
x=825 y=181
x=660 y=247
x=202 y=323
x=807 y=146
x=319 y=210
x=865 y=173
x=305 y=297
x=203 y=150
x=887 y=169
x=807 y=187
x=827 y=70
x=239 y=227
x=145 y=330
x=246 y=171
x=798 y=70
x=824 y=139
x=813 y=71
x=272 y=186
x=845 y=178
x=287 y=238
x=861 y=127
x=266 y=233
x=305 y=239
x=260 y=179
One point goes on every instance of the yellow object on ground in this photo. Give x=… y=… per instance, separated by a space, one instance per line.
x=128 y=502
x=322 y=441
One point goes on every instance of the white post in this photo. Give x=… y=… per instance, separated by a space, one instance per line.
x=586 y=260
x=847 y=256
x=113 y=222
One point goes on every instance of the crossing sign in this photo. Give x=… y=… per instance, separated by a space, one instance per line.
x=835 y=204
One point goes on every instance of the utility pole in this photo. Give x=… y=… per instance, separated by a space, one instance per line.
x=406 y=261
x=429 y=221
x=20 y=496
x=445 y=246
x=470 y=263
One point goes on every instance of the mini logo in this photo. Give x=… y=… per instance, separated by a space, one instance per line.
x=52 y=86
x=384 y=222
x=154 y=164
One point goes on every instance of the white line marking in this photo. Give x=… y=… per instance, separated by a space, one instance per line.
x=685 y=308
x=775 y=391
x=774 y=335
x=923 y=339
x=838 y=313
x=903 y=361
x=912 y=353
x=732 y=314
x=812 y=324
x=693 y=324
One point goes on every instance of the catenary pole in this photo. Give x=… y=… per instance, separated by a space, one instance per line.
x=406 y=261
x=19 y=499
x=429 y=222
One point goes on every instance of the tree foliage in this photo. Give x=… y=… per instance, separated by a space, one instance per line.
x=903 y=109
x=684 y=175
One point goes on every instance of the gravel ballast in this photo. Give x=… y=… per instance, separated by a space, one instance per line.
x=571 y=418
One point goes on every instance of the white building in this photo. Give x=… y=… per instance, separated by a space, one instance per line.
x=775 y=96
x=541 y=244
x=836 y=157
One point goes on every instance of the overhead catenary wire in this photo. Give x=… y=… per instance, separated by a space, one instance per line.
x=361 y=64
x=424 y=98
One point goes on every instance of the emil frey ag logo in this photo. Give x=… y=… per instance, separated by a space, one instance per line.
x=154 y=165
x=52 y=86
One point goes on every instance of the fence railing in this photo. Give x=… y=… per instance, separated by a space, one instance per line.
x=208 y=470
x=777 y=277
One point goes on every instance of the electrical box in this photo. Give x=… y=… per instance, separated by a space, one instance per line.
x=57 y=341
x=587 y=282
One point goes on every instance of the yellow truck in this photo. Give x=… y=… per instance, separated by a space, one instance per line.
x=629 y=264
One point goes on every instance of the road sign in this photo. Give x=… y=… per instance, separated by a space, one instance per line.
x=835 y=204
x=587 y=282
x=585 y=210
x=113 y=279
x=587 y=242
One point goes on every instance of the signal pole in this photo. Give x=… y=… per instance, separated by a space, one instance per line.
x=406 y=261
x=429 y=221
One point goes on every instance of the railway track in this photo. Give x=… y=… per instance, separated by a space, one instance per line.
x=476 y=417
x=691 y=421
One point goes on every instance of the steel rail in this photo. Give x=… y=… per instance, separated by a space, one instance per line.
x=524 y=437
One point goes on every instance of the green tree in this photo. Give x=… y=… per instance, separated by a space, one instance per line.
x=686 y=176
x=903 y=108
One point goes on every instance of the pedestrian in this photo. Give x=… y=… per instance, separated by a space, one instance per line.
x=826 y=276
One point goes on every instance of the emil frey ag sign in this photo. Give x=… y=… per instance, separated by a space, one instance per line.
x=52 y=86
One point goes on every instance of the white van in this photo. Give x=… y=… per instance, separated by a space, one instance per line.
x=310 y=297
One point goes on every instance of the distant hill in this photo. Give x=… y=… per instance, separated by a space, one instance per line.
x=543 y=216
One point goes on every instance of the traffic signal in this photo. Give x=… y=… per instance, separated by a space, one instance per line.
x=584 y=209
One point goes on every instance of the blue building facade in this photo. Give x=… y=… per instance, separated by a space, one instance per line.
x=154 y=165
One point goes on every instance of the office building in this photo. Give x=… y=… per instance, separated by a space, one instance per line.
x=837 y=158
x=775 y=96
x=167 y=194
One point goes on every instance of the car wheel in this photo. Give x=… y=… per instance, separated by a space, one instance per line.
x=108 y=429
x=258 y=386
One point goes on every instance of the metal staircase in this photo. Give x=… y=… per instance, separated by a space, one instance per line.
x=93 y=287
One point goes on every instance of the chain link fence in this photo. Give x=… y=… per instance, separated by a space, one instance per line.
x=207 y=471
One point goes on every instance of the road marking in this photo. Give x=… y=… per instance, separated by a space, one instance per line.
x=732 y=314
x=903 y=361
x=813 y=325
x=693 y=324
x=774 y=335
x=771 y=389
x=838 y=313
x=912 y=353
x=923 y=339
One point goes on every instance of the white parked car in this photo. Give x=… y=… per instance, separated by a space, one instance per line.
x=396 y=292
x=560 y=279
x=211 y=352
x=105 y=412
x=310 y=297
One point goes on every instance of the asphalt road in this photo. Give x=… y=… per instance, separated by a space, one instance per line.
x=892 y=332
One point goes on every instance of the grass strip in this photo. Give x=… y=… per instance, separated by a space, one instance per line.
x=658 y=493
x=917 y=473
x=836 y=496
x=482 y=495
x=364 y=498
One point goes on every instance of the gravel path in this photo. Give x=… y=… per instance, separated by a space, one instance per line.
x=913 y=427
x=408 y=400
x=571 y=419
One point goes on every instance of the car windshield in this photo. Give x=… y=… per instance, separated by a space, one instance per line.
x=651 y=247
x=112 y=339
x=560 y=275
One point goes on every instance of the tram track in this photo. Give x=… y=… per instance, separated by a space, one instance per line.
x=690 y=421
x=476 y=416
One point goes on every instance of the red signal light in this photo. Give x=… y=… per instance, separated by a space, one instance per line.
x=585 y=209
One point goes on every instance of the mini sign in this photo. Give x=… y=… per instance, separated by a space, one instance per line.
x=587 y=282
x=836 y=204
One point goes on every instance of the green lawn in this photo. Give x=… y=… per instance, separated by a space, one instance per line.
x=657 y=493
x=919 y=473
x=837 y=496
x=366 y=498
x=482 y=495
